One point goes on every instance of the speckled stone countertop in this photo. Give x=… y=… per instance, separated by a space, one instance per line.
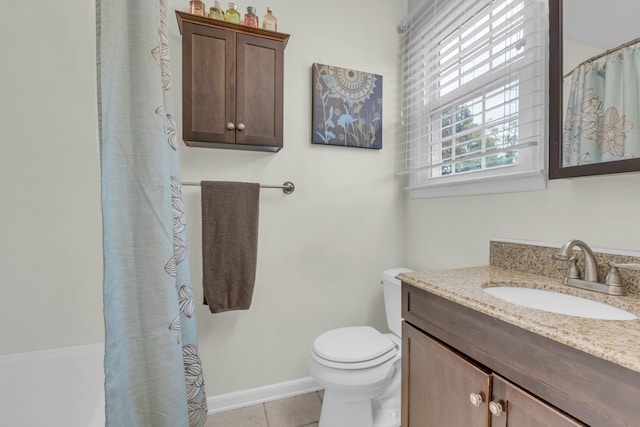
x=617 y=341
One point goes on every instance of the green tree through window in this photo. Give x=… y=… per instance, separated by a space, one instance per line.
x=459 y=142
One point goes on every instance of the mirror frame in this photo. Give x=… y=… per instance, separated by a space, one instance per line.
x=556 y=125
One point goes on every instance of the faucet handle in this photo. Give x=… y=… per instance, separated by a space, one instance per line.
x=613 y=277
x=560 y=257
x=630 y=266
x=573 y=272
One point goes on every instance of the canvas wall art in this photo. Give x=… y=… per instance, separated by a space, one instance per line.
x=347 y=107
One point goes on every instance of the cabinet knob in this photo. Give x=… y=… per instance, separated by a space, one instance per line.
x=230 y=126
x=240 y=126
x=495 y=408
x=475 y=399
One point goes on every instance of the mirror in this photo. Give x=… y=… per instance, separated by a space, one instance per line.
x=569 y=22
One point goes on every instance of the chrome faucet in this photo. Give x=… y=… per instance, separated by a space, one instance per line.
x=612 y=286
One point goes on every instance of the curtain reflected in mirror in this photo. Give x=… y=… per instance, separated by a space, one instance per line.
x=600 y=121
x=594 y=87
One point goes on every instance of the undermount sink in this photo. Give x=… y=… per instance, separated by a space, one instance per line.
x=556 y=302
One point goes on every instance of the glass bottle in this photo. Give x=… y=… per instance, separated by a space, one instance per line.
x=216 y=12
x=269 y=22
x=232 y=14
x=196 y=7
x=250 y=18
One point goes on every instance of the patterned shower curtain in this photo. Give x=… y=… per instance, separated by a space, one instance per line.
x=152 y=366
x=602 y=121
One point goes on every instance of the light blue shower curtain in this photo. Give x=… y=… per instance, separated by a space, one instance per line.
x=152 y=364
x=602 y=121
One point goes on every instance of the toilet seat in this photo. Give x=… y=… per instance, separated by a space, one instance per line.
x=356 y=347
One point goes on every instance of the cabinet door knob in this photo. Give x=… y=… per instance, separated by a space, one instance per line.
x=240 y=126
x=230 y=126
x=475 y=399
x=495 y=408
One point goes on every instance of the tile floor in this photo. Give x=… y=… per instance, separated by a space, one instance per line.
x=297 y=411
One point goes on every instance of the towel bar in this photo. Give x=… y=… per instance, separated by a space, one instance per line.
x=287 y=187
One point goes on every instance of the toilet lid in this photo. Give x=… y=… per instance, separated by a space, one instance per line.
x=352 y=344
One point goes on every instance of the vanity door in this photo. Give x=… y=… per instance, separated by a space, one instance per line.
x=440 y=387
x=511 y=406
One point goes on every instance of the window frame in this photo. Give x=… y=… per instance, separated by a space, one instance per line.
x=530 y=173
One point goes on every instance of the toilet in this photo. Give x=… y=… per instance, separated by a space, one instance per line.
x=359 y=368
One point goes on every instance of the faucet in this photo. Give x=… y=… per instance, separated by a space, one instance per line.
x=612 y=286
x=590 y=269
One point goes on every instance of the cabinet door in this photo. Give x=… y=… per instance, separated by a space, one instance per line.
x=437 y=384
x=520 y=409
x=260 y=81
x=208 y=84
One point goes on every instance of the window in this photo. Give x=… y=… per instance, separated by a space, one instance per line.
x=474 y=95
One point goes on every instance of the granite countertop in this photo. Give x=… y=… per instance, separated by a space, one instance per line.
x=617 y=341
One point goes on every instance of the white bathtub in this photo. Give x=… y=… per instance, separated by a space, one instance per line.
x=55 y=388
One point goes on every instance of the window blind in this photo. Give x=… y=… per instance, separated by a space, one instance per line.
x=474 y=90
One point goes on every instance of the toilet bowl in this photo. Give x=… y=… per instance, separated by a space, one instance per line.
x=359 y=368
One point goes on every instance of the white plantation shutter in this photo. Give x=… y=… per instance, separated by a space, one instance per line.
x=474 y=96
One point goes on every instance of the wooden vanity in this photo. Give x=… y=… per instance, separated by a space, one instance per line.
x=470 y=359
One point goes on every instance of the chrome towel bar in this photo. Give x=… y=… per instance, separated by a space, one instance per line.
x=287 y=187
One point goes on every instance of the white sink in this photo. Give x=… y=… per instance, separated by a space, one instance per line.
x=555 y=302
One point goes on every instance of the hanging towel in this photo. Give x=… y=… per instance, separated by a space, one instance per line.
x=229 y=243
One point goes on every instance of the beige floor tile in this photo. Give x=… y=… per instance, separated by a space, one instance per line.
x=252 y=416
x=296 y=411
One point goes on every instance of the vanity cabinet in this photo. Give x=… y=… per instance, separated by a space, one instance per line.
x=232 y=85
x=437 y=384
x=444 y=388
x=512 y=406
x=451 y=352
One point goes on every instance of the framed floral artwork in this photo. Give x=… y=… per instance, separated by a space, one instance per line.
x=347 y=107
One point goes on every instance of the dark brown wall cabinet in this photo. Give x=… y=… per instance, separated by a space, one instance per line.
x=232 y=84
x=462 y=368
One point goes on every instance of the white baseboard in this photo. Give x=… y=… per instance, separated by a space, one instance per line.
x=255 y=396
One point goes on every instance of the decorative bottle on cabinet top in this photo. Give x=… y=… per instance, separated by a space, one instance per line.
x=250 y=18
x=269 y=22
x=232 y=14
x=196 y=7
x=216 y=12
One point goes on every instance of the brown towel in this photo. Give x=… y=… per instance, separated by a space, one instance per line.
x=229 y=244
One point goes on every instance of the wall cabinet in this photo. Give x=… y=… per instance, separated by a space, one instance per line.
x=232 y=85
x=452 y=352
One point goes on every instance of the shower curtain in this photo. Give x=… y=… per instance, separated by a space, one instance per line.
x=603 y=111
x=152 y=364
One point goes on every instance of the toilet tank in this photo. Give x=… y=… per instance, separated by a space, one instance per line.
x=393 y=299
